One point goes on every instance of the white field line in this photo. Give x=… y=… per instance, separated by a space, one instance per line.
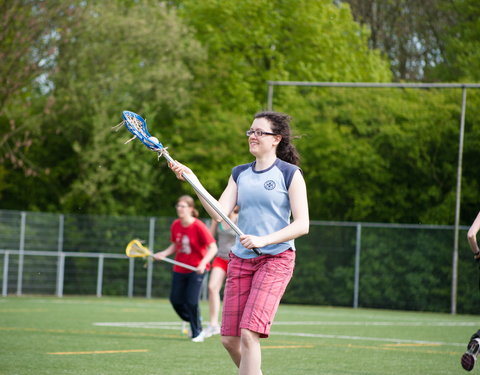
x=367 y=323
x=364 y=338
x=148 y=325
x=176 y=326
x=97 y=302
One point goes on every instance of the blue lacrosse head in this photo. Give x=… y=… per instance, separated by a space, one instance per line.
x=138 y=127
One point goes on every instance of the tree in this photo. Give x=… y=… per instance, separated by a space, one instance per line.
x=409 y=32
x=384 y=155
x=122 y=56
x=248 y=43
x=28 y=47
x=461 y=41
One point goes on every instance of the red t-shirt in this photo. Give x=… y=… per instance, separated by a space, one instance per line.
x=191 y=243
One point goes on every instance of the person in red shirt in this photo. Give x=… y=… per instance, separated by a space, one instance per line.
x=193 y=244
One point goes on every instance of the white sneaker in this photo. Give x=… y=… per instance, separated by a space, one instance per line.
x=212 y=330
x=200 y=337
x=216 y=330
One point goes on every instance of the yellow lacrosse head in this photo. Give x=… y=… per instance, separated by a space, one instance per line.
x=135 y=249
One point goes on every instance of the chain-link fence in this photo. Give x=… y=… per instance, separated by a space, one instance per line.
x=390 y=266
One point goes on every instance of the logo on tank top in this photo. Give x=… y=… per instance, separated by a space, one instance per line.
x=269 y=185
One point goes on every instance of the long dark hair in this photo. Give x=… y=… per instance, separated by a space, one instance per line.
x=280 y=123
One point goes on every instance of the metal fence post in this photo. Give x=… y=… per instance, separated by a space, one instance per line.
x=151 y=245
x=131 y=275
x=21 y=249
x=358 y=247
x=5 y=274
x=204 y=288
x=61 y=257
x=453 y=307
x=60 y=274
x=100 y=276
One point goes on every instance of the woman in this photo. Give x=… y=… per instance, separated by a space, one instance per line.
x=268 y=191
x=226 y=239
x=473 y=348
x=192 y=244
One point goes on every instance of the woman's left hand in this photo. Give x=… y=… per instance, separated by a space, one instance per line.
x=249 y=241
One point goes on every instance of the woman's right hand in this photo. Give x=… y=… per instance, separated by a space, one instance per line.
x=179 y=169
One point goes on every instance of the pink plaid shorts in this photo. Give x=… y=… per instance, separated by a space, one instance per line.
x=253 y=291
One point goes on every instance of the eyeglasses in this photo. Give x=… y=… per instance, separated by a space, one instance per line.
x=258 y=133
x=181 y=206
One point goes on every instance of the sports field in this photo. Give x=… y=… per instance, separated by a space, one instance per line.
x=81 y=335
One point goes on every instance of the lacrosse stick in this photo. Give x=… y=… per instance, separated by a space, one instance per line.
x=135 y=249
x=138 y=127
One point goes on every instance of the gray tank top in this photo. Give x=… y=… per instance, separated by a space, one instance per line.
x=226 y=239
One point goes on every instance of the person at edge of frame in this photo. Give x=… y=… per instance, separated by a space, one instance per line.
x=470 y=356
x=268 y=191
x=193 y=244
x=225 y=240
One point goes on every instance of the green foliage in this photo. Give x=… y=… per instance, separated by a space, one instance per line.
x=197 y=71
x=461 y=43
x=407 y=31
x=112 y=63
x=471 y=166
x=324 y=269
x=379 y=154
x=28 y=49
x=400 y=268
x=405 y=271
x=248 y=43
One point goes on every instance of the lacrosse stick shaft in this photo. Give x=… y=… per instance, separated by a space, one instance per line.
x=210 y=200
x=180 y=264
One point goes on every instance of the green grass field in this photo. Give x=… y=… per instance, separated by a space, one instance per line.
x=83 y=335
